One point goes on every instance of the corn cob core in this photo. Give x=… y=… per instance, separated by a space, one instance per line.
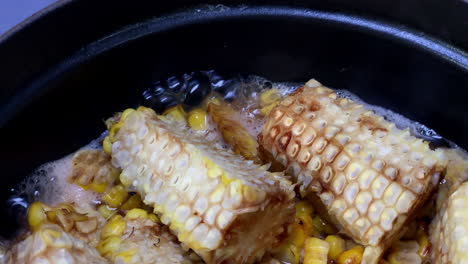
x=142 y=240
x=213 y=200
x=449 y=229
x=51 y=244
x=368 y=174
x=92 y=169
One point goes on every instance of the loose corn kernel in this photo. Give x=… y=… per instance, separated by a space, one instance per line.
x=99 y=188
x=113 y=130
x=351 y=256
x=126 y=256
x=320 y=226
x=316 y=251
x=136 y=213
x=106 y=211
x=297 y=235
x=115 y=227
x=288 y=254
x=177 y=113
x=269 y=96
x=153 y=218
x=36 y=215
x=305 y=220
x=424 y=245
x=304 y=207
x=133 y=202
x=107 y=145
x=109 y=246
x=267 y=109
x=197 y=119
x=116 y=196
x=337 y=246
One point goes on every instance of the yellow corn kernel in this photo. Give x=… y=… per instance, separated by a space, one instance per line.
x=269 y=96
x=153 y=218
x=267 y=109
x=126 y=256
x=297 y=235
x=177 y=113
x=107 y=145
x=125 y=113
x=288 y=254
x=109 y=246
x=115 y=227
x=99 y=188
x=337 y=246
x=424 y=245
x=36 y=215
x=106 y=211
x=316 y=251
x=197 y=119
x=133 y=202
x=116 y=196
x=304 y=207
x=320 y=226
x=136 y=213
x=113 y=130
x=351 y=256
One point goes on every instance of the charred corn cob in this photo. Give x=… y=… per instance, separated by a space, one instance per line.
x=212 y=200
x=138 y=238
x=368 y=174
x=51 y=244
x=227 y=120
x=449 y=229
x=92 y=170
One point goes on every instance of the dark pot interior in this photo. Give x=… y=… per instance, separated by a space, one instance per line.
x=57 y=104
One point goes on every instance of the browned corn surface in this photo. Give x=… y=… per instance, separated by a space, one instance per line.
x=227 y=120
x=92 y=169
x=212 y=199
x=143 y=241
x=82 y=223
x=50 y=244
x=449 y=229
x=369 y=175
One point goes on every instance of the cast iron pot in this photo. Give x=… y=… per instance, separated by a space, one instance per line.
x=76 y=63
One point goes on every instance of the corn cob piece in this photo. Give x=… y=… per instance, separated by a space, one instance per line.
x=367 y=174
x=233 y=132
x=139 y=238
x=51 y=244
x=212 y=200
x=449 y=229
x=82 y=223
x=92 y=170
x=404 y=252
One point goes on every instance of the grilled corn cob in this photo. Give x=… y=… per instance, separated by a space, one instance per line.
x=51 y=244
x=138 y=238
x=449 y=229
x=212 y=200
x=233 y=132
x=368 y=174
x=92 y=170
